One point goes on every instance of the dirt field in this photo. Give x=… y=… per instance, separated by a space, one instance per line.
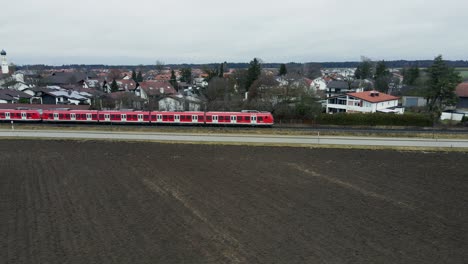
x=115 y=202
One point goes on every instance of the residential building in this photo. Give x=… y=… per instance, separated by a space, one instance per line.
x=9 y=96
x=364 y=102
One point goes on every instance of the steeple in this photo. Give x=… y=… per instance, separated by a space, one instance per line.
x=4 y=62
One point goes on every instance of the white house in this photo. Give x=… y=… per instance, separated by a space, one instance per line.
x=364 y=102
x=319 y=84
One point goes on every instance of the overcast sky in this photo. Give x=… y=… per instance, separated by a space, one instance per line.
x=143 y=31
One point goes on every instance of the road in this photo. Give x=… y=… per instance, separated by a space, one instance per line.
x=240 y=138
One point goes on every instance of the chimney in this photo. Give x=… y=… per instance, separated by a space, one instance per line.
x=161 y=90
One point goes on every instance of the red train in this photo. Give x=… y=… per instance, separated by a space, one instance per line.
x=247 y=118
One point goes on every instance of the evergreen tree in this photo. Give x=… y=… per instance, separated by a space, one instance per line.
x=381 y=70
x=382 y=77
x=283 y=70
x=410 y=75
x=221 y=70
x=114 y=87
x=173 y=79
x=139 y=77
x=441 y=86
x=134 y=75
x=186 y=75
x=364 y=69
x=253 y=73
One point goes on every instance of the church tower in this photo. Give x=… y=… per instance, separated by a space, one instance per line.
x=5 y=69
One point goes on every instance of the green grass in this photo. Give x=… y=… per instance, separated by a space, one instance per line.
x=463 y=72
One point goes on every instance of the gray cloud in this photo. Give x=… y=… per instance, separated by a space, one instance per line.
x=142 y=31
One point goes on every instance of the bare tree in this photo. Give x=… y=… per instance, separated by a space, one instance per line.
x=159 y=66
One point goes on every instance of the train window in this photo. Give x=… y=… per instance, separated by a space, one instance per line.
x=101 y=116
x=2 y=115
x=165 y=116
x=171 y=116
x=247 y=118
x=260 y=118
x=200 y=118
x=112 y=116
x=94 y=116
x=83 y=116
x=145 y=116
x=182 y=117
x=61 y=115
x=221 y=118
x=227 y=118
x=208 y=118
x=29 y=115
x=67 y=116
x=239 y=118
x=51 y=116
x=153 y=117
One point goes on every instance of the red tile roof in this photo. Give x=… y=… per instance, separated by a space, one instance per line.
x=154 y=87
x=376 y=98
x=462 y=90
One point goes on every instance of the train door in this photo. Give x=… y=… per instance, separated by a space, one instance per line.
x=176 y=118
x=253 y=120
x=159 y=118
x=140 y=117
x=215 y=119
x=233 y=119
x=123 y=117
x=56 y=116
x=107 y=117
x=194 y=119
x=73 y=116
x=88 y=117
x=7 y=115
x=23 y=116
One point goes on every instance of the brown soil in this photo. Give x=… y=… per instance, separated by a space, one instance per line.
x=115 y=202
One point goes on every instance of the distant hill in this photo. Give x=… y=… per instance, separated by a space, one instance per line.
x=346 y=64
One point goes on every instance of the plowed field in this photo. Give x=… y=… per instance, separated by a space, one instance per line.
x=115 y=202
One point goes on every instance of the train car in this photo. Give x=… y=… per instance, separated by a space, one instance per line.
x=169 y=117
x=24 y=115
x=246 y=117
x=124 y=117
x=66 y=115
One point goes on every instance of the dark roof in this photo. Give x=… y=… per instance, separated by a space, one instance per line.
x=8 y=94
x=66 y=77
x=338 y=85
x=43 y=106
x=124 y=94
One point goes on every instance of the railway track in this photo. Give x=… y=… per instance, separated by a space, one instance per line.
x=283 y=128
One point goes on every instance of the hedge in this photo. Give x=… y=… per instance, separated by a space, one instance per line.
x=374 y=119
